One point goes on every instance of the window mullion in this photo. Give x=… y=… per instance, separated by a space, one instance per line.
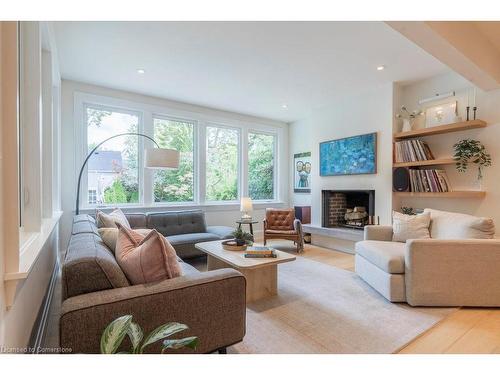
x=201 y=165
x=244 y=163
x=148 y=174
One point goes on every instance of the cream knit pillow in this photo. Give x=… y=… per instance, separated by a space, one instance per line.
x=409 y=227
x=110 y=235
x=110 y=220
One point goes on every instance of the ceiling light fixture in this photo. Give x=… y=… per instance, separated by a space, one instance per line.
x=284 y=106
x=141 y=71
x=381 y=67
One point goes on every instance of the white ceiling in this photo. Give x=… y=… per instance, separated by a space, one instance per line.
x=247 y=67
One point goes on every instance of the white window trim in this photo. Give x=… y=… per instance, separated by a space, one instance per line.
x=239 y=174
x=201 y=120
x=276 y=160
x=196 y=193
x=84 y=140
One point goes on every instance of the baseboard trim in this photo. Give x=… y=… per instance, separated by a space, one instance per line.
x=40 y=326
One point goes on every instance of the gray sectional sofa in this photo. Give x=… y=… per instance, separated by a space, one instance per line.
x=96 y=291
x=183 y=229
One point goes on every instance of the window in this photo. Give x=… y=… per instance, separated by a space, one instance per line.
x=222 y=164
x=175 y=185
x=212 y=152
x=113 y=169
x=92 y=196
x=261 y=160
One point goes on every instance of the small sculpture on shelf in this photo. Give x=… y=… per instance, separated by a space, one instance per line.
x=408 y=118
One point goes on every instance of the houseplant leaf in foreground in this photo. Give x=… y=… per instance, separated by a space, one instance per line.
x=189 y=342
x=162 y=332
x=136 y=335
x=114 y=334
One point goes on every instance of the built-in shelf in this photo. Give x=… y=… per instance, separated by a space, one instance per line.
x=424 y=163
x=450 y=194
x=450 y=128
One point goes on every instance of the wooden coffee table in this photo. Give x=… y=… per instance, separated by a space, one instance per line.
x=261 y=273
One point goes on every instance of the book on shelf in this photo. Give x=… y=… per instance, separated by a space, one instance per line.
x=412 y=150
x=429 y=181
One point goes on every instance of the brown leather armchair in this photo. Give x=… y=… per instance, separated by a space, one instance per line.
x=282 y=224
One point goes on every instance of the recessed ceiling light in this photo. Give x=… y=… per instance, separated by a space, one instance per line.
x=381 y=67
x=141 y=71
x=284 y=106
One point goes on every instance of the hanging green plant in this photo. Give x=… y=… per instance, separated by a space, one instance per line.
x=471 y=151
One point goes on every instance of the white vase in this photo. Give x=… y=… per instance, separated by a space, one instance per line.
x=406 y=125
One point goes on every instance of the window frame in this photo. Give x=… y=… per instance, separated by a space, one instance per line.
x=201 y=118
x=140 y=154
x=276 y=187
x=239 y=163
x=195 y=160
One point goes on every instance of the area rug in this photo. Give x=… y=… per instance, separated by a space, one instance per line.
x=324 y=309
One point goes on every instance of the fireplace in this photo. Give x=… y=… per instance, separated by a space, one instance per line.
x=348 y=208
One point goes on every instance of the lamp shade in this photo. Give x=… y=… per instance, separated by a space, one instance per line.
x=246 y=205
x=161 y=158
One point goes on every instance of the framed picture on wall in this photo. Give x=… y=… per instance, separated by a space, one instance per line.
x=347 y=156
x=302 y=172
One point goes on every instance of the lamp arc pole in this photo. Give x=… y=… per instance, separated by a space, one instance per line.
x=77 y=210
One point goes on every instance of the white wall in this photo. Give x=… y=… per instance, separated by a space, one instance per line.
x=16 y=323
x=69 y=168
x=442 y=145
x=369 y=111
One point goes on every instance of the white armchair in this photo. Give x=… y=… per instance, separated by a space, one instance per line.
x=431 y=272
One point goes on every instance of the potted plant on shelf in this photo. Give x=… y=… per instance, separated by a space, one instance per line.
x=471 y=151
x=408 y=118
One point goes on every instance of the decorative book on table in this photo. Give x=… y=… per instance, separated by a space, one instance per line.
x=260 y=252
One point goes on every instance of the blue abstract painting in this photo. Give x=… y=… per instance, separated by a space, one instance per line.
x=352 y=155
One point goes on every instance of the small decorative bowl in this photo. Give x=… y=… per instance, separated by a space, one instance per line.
x=231 y=245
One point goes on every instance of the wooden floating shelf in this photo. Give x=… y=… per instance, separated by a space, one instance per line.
x=442 y=129
x=424 y=163
x=450 y=194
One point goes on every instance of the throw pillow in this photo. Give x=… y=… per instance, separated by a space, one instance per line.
x=111 y=220
x=451 y=225
x=110 y=235
x=409 y=227
x=146 y=259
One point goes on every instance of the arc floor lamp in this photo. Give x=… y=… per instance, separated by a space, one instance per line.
x=154 y=158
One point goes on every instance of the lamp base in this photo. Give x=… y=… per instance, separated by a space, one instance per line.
x=246 y=217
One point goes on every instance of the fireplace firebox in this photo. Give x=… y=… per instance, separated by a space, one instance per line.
x=348 y=208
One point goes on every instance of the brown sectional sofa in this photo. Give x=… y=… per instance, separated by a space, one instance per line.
x=96 y=291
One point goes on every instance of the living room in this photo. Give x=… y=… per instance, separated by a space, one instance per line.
x=250 y=187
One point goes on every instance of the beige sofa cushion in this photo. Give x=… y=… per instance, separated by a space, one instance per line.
x=451 y=225
x=388 y=256
x=410 y=227
x=111 y=220
x=110 y=235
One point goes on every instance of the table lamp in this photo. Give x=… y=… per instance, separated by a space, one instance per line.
x=246 y=207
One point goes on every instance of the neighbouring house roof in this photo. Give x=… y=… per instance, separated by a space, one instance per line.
x=106 y=161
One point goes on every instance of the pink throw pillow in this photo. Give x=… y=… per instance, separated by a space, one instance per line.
x=146 y=258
